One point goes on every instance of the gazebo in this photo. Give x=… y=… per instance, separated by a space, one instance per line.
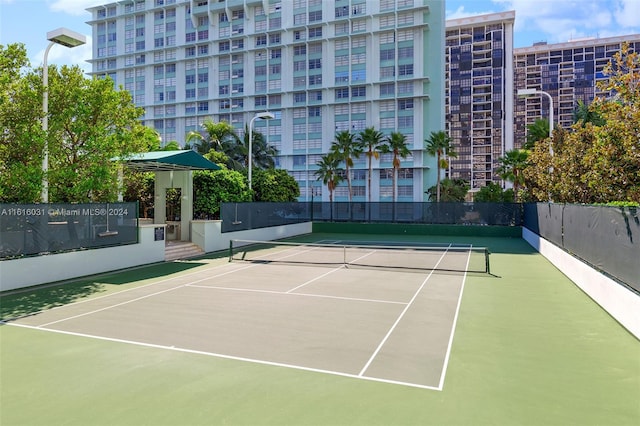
x=173 y=169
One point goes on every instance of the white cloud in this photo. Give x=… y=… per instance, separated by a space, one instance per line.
x=627 y=13
x=460 y=12
x=562 y=20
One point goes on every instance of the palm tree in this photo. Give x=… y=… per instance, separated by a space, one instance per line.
x=346 y=149
x=583 y=114
x=370 y=141
x=439 y=145
x=216 y=134
x=396 y=143
x=511 y=166
x=330 y=172
x=238 y=151
x=538 y=131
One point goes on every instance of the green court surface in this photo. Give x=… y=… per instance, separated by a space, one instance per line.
x=529 y=348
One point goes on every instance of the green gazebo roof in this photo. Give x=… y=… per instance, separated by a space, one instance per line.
x=163 y=161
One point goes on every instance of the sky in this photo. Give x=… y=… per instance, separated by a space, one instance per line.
x=553 y=21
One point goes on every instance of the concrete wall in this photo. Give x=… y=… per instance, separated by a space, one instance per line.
x=208 y=236
x=620 y=302
x=29 y=271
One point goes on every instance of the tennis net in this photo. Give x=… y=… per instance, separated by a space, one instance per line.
x=463 y=258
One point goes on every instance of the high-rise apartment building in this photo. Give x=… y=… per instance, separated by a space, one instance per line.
x=319 y=66
x=566 y=71
x=479 y=94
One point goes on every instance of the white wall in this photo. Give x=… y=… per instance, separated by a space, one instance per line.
x=620 y=302
x=208 y=234
x=29 y=271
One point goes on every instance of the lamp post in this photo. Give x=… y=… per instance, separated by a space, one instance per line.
x=67 y=38
x=525 y=93
x=264 y=116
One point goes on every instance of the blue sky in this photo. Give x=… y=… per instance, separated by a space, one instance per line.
x=554 y=21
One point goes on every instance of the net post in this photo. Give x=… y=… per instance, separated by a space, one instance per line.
x=230 y=250
x=486 y=260
x=344 y=255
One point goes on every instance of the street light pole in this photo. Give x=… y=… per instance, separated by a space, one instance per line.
x=264 y=116
x=67 y=38
x=525 y=93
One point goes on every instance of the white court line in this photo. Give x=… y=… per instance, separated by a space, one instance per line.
x=127 y=290
x=324 y=275
x=315 y=279
x=199 y=271
x=229 y=357
x=249 y=290
x=145 y=296
x=404 y=311
x=453 y=326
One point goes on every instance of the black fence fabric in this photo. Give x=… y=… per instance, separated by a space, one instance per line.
x=243 y=216
x=608 y=238
x=31 y=229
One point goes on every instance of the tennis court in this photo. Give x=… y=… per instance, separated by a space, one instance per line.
x=367 y=323
x=301 y=336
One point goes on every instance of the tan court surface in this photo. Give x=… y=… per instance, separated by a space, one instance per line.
x=212 y=342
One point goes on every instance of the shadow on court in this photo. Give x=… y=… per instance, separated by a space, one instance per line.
x=24 y=302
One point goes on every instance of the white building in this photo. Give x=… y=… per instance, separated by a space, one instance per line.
x=318 y=66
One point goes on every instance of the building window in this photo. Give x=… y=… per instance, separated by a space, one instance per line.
x=341 y=11
x=315 y=16
x=405 y=70
x=405 y=122
x=274 y=38
x=405 y=52
x=299 y=19
x=315 y=80
x=358 y=92
x=358 y=75
x=387 y=54
x=342 y=93
x=315 y=32
x=405 y=104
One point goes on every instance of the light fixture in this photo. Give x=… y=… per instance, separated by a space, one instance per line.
x=264 y=116
x=67 y=38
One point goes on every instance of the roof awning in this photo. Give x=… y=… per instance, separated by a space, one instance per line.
x=164 y=161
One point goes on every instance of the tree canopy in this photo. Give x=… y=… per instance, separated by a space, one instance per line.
x=597 y=160
x=90 y=124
